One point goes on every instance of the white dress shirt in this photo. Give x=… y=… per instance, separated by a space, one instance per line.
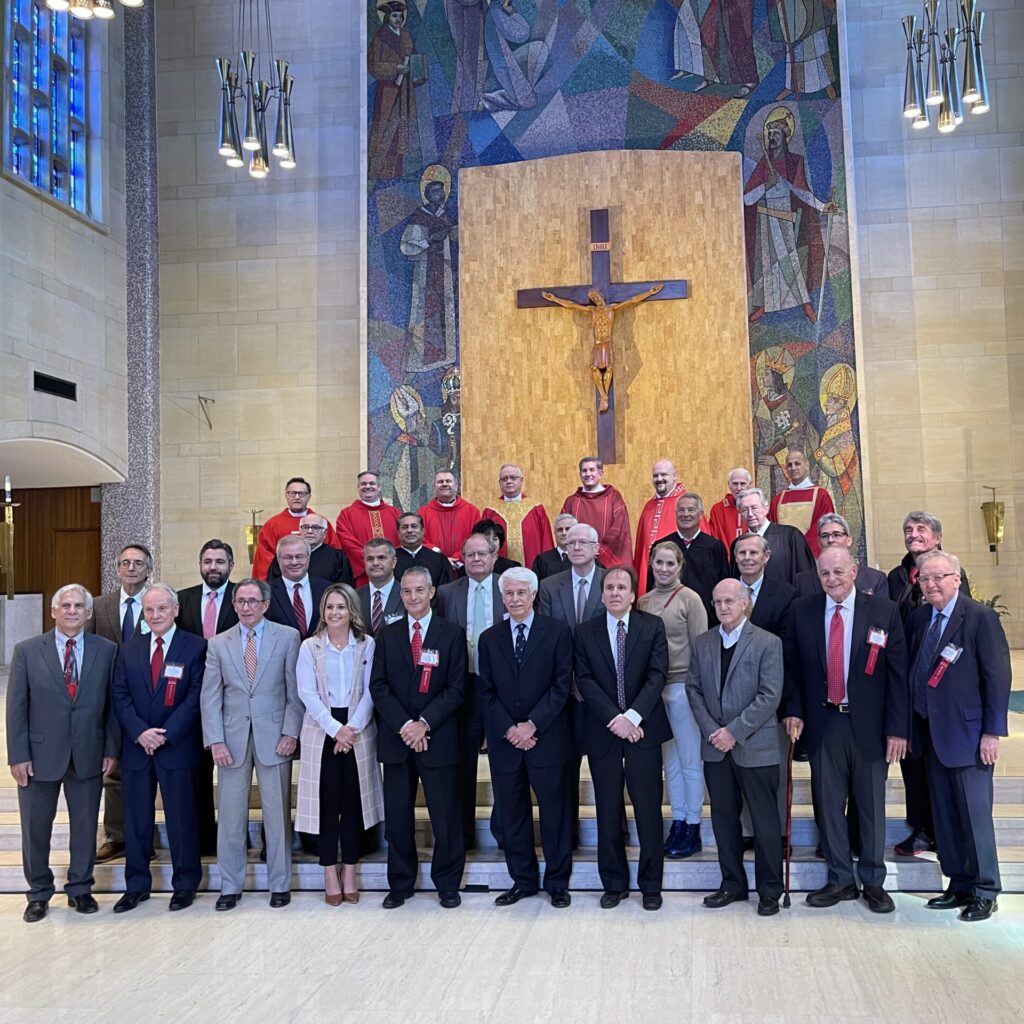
x=136 y=610
x=218 y=600
x=168 y=638
x=305 y=594
x=385 y=593
x=424 y=625
x=488 y=595
x=340 y=664
x=257 y=632
x=576 y=583
x=846 y=611
x=528 y=623
x=612 y=624
x=732 y=637
x=79 y=649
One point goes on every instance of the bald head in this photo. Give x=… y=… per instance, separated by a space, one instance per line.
x=730 y=600
x=663 y=476
x=837 y=570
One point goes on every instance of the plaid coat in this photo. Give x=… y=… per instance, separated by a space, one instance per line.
x=307 y=809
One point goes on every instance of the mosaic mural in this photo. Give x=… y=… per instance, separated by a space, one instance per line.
x=460 y=83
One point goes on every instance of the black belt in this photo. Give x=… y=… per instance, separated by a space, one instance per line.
x=843 y=709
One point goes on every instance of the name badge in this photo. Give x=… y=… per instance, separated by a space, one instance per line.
x=172 y=670
x=392 y=618
x=430 y=659
x=951 y=653
x=878 y=637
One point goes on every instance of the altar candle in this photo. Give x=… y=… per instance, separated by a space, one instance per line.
x=7 y=488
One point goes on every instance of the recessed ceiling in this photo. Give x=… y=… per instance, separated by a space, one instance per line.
x=40 y=462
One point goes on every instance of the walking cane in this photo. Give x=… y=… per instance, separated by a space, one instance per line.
x=789 y=817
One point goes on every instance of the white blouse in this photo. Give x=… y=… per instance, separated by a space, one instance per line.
x=339 y=665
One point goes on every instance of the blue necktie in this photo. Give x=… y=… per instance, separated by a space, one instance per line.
x=520 y=642
x=922 y=667
x=128 y=622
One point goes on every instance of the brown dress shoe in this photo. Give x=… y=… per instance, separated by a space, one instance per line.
x=350 y=897
x=108 y=851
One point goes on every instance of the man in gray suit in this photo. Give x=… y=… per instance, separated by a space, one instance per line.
x=61 y=733
x=117 y=617
x=252 y=716
x=735 y=686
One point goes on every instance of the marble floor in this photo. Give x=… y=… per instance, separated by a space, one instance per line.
x=527 y=963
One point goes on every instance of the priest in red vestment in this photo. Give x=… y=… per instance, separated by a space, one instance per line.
x=367 y=517
x=602 y=507
x=297 y=493
x=724 y=522
x=527 y=528
x=802 y=504
x=657 y=515
x=447 y=518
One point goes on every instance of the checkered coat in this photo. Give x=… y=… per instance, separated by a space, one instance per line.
x=307 y=810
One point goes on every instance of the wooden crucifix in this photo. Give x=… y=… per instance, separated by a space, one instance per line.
x=601 y=298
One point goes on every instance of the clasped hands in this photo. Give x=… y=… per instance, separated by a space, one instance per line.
x=344 y=739
x=722 y=740
x=152 y=739
x=522 y=736
x=414 y=736
x=622 y=727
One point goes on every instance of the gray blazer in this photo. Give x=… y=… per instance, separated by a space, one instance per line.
x=453 y=598
x=556 y=597
x=44 y=726
x=746 y=703
x=271 y=709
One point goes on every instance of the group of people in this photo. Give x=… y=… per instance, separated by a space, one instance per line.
x=387 y=650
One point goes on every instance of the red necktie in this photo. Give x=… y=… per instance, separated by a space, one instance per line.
x=210 y=616
x=417 y=643
x=376 y=613
x=912 y=576
x=300 y=610
x=70 y=669
x=156 y=665
x=836 y=680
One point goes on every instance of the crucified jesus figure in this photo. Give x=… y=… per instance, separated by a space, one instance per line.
x=602 y=317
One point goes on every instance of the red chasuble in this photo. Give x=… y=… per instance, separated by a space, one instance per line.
x=606 y=512
x=658 y=516
x=527 y=529
x=273 y=530
x=802 y=507
x=358 y=523
x=447 y=526
x=724 y=521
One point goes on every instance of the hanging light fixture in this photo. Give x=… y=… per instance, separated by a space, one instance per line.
x=931 y=77
x=84 y=10
x=256 y=90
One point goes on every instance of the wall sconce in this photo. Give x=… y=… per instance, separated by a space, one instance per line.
x=995 y=522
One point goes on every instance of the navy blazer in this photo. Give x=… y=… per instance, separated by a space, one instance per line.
x=879 y=703
x=282 y=611
x=537 y=690
x=139 y=707
x=190 y=612
x=395 y=688
x=973 y=696
x=645 y=672
x=772 y=607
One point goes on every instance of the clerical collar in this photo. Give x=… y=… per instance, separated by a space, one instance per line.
x=518 y=497
x=372 y=504
x=447 y=504
x=803 y=485
x=594 y=490
x=297 y=515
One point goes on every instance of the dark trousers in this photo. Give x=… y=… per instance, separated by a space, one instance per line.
x=341 y=807
x=178 y=793
x=205 y=818
x=512 y=794
x=113 y=807
x=964 y=831
x=441 y=789
x=729 y=785
x=919 y=802
x=37 y=803
x=471 y=730
x=640 y=769
x=838 y=769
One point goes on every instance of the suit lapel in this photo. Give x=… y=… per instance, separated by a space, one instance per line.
x=594 y=597
x=225 y=607
x=267 y=646
x=741 y=646
x=858 y=651
x=233 y=638
x=53 y=661
x=605 y=641
x=819 y=633
x=88 y=659
x=533 y=641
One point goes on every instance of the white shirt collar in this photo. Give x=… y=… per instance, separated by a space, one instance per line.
x=168 y=638
x=804 y=485
x=576 y=577
x=730 y=638
x=847 y=603
x=613 y=623
x=424 y=624
x=290 y=584
x=219 y=591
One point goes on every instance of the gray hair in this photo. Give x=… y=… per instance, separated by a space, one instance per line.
x=563 y=516
x=591 y=532
x=517 y=574
x=416 y=570
x=765 y=547
x=55 y=600
x=738 y=469
x=833 y=517
x=693 y=496
x=379 y=542
x=926 y=519
x=263 y=585
x=165 y=587
x=755 y=491
x=938 y=553
x=291 y=538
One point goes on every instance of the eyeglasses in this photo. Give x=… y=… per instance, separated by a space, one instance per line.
x=833 y=535
x=300 y=557
x=248 y=602
x=937 y=578
x=312 y=528
x=580 y=543
x=132 y=563
x=296 y=494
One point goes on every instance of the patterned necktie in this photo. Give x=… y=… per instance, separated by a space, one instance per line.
x=620 y=665
x=749 y=611
x=210 y=616
x=250 y=657
x=923 y=665
x=581 y=600
x=70 y=669
x=836 y=660
x=128 y=622
x=376 y=613
x=300 y=610
x=479 y=625
x=156 y=665
x=417 y=643
x=520 y=642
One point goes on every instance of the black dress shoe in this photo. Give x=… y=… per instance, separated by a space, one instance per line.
x=560 y=898
x=748 y=843
x=129 y=901
x=35 y=911
x=878 y=900
x=84 y=904
x=721 y=898
x=613 y=899
x=227 y=901
x=830 y=895
x=767 y=906
x=979 y=909
x=652 y=901
x=917 y=842
x=449 y=899
x=280 y=899
x=950 y=900
x=394 y=899
x=513 y=895
x=181 y=900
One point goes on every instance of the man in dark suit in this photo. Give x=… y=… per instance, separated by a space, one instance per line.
x=419 y=670
x=790 y=553
x=117 y=617
x=705 y=559
x=157 y=683
x=525 y=676
x=922 y=533
x=556 y=559
x=414 y=552
x=380 y=600
x=295 y=597
x=473 y=603
x=834 y=531
x=61 y=734
x=621 y=665
x=206 y=610
x=846 y=692
x=325 y=562
x=734 y=688
x=960 y=683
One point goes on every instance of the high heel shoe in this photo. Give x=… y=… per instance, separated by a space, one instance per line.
x=350 y=897
x=334 y=899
